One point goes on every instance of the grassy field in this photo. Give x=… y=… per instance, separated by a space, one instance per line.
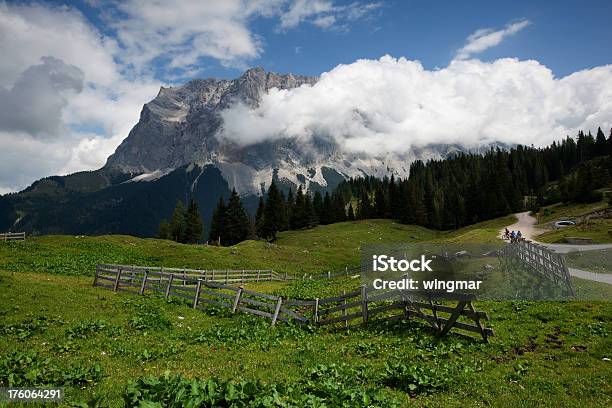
x=318 y=250
x=109 y=348
x=599 y=230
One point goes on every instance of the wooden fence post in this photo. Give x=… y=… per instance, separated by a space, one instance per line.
x=226 y=276
x=237 y=299
x=258 y=271
x=344 y=312
x=364 y=304
x=117 y=280
x=169 y=286
x=277 y=310
x=144 y=282
x=196 y=297
x=316 y=310
x=96 y=276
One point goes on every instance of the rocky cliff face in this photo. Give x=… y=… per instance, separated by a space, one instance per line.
x=180 y=126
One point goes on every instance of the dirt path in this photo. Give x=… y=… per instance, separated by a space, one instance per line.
x=526 y=224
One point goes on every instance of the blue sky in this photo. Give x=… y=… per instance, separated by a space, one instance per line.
x=85 y=68
x=566 y=36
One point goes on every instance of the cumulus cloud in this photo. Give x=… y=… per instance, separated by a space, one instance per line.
x=325 y=13
x=182 y=32
x=35 y=102
x=486 y=38
x=394 y=105
x=65 y=103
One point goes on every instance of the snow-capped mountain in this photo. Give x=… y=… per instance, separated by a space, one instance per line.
x=183 y=126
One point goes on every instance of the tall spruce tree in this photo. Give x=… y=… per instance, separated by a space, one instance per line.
x=164 y=230
x=236 y=221
x=177 y=222
x=351 y=213
x=275 y=213
x=194 y=227
x=317 y=205
x=327 y=216
x=217 y=224
x=260 y=218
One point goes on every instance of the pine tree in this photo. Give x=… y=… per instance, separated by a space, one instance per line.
x=177 y=222
x=275 y=213
x=298 y=214
x=236 y=221
x=289 y=207
x=217 y=225
x=309 y=213
x=600 y=143
x=193 y=223
x=339 y=207
x=380 y=204
x=364 y=209
x=351 y=213
x=164 y=230
x=317 y=204
x=260 y=218
x=327 y=213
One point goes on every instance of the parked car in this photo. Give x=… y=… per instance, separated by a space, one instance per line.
x=564 y=223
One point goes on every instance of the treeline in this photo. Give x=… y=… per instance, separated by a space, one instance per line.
x=442 y=194
x=468 y=188
x=185 y=226
x=280 y=213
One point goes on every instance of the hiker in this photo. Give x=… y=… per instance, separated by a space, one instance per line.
x=512 y=236
x=506 y=233
x=519 y=235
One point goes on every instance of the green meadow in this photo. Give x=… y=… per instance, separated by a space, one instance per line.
x=119 y=349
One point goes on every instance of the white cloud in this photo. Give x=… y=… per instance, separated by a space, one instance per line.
x=393 y=105
x=184 y=31
x=58 y=81
x=486 y=38
x=324 y=13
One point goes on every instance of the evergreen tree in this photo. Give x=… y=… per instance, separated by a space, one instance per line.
x=351 y=213
x=275 y=212
x=339 y=207
x=177 y=222
x=194 y=227
x=327 y=213
x=600 y=143
x=309 y=212
x=236 y=221
x=260 y=218
x=380 y=203
x=317 y=204
x=164 y=230
x=364 y=209
x=298 y=214
x=217 y=225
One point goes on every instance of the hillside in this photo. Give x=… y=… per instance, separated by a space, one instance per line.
x=321 y=249
x=61 y=329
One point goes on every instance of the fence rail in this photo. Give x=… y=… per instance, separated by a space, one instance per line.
x=184 y=275
x=542 y=261
x=13 y=236
x=358 y=307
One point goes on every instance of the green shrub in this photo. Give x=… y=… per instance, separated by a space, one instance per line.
x=416 y=379
x=26 y=369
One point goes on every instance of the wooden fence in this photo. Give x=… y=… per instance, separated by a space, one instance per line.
x=368 y=305
x=184 y=275
x=202 y=290
x=541 y=261
x=13 y=236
